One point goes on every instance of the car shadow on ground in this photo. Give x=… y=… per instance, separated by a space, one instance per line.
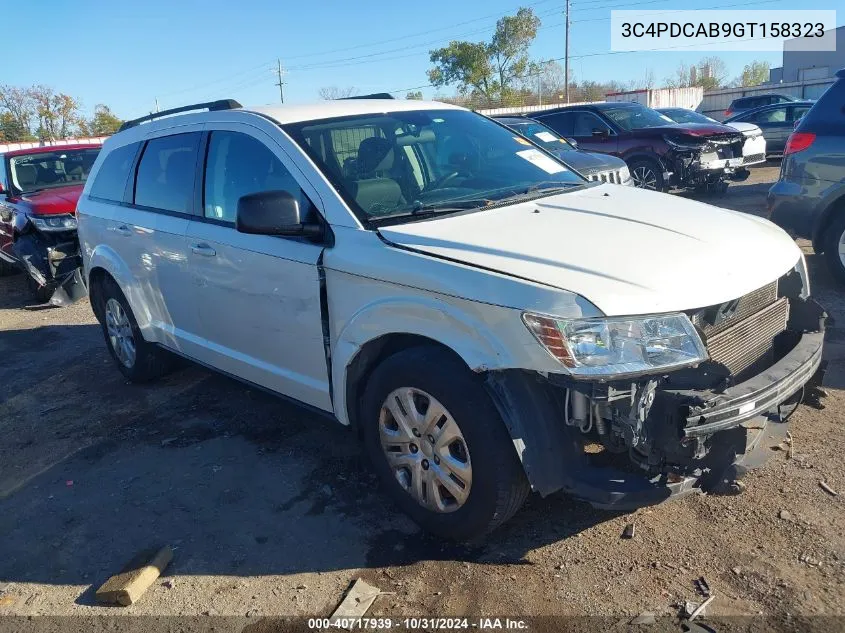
x=238 y=481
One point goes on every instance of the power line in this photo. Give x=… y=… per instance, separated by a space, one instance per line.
x=347 y=61
x=418 y=34
x=267 y=64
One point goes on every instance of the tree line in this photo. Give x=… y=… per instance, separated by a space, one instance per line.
x=39 y=113
x=500 y=71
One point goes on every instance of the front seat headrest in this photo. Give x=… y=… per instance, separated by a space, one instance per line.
x=375 y=154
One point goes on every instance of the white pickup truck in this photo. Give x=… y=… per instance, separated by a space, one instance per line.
x=485 y=319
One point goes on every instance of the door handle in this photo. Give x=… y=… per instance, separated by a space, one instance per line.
x=123 y=230
x=203 y=249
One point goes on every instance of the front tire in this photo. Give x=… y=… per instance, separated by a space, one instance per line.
x=834 y=248
x=439 y=445
x=137 y=360
x=647 y=174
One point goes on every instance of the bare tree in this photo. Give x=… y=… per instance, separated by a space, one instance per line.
x=333 y=92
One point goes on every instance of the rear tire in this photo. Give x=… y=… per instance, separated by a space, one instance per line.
x=647 y=174
x=479 y=461
x=137 y=360
x=834 y=248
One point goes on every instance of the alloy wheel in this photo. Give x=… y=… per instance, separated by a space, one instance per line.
x=842 y=248
x=120 y=334
x=645 y=178
x=425 y=449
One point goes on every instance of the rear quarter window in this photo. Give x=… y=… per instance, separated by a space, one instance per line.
x=110 y=182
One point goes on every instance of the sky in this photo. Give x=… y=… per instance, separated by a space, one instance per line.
x=127 y=55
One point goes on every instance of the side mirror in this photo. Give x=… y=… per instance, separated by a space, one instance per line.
x=273 y=213
x=572 y=142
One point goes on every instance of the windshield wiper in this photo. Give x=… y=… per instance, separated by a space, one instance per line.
x=424 y=210
x=541 y=190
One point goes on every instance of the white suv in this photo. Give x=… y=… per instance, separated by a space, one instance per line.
x=487 y=320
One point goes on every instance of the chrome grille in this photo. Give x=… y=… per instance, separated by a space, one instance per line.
x=749 y=340
x=613 y=177
x=710 y=324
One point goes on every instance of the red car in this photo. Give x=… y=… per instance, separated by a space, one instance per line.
x=39 y=188
x=660 y=153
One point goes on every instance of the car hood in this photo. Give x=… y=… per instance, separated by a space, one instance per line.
x=627 y=250
x=53 y=201
x=700 y=130
x=747 y=129
x=590 y=163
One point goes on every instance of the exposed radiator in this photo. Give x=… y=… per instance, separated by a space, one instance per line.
x=710 y=323
x=748 y=340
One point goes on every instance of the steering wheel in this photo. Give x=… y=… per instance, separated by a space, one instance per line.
x=440 y=182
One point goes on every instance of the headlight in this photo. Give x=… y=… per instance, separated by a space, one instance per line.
x=617 y=346
x=687 y=147
x=54 y=222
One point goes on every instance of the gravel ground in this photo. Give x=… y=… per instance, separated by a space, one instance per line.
x=272 y=511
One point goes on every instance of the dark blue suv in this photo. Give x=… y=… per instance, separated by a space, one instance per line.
x=809 y=197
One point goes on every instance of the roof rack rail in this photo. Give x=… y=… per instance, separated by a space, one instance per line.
x=211 y=106
x=375 y=95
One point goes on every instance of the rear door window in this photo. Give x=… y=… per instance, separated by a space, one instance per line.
x=166 y=173
x=563 y=122
x=110 y=183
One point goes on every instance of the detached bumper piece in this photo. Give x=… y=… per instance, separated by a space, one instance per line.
x=760 y=394
x=53 y=264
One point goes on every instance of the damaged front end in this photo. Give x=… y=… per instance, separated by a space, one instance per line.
x=51 y=259
x=705 y=162
x=638 y=441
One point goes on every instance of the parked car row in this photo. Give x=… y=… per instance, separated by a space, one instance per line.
x=481 y=314
x=809 y=196
x=628 y=144
x=660 y=153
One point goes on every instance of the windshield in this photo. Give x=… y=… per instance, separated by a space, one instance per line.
x=633 y=118
x=400 y=164
x=682 y=115
x=45 y=170
x=538 y=133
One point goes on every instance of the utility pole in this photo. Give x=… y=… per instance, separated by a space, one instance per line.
x=566 y=58
x=539 y=88
x=281 y=71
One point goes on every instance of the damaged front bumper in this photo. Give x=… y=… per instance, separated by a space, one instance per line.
x=710 y=163
x=53 y=263
x=691 y=438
